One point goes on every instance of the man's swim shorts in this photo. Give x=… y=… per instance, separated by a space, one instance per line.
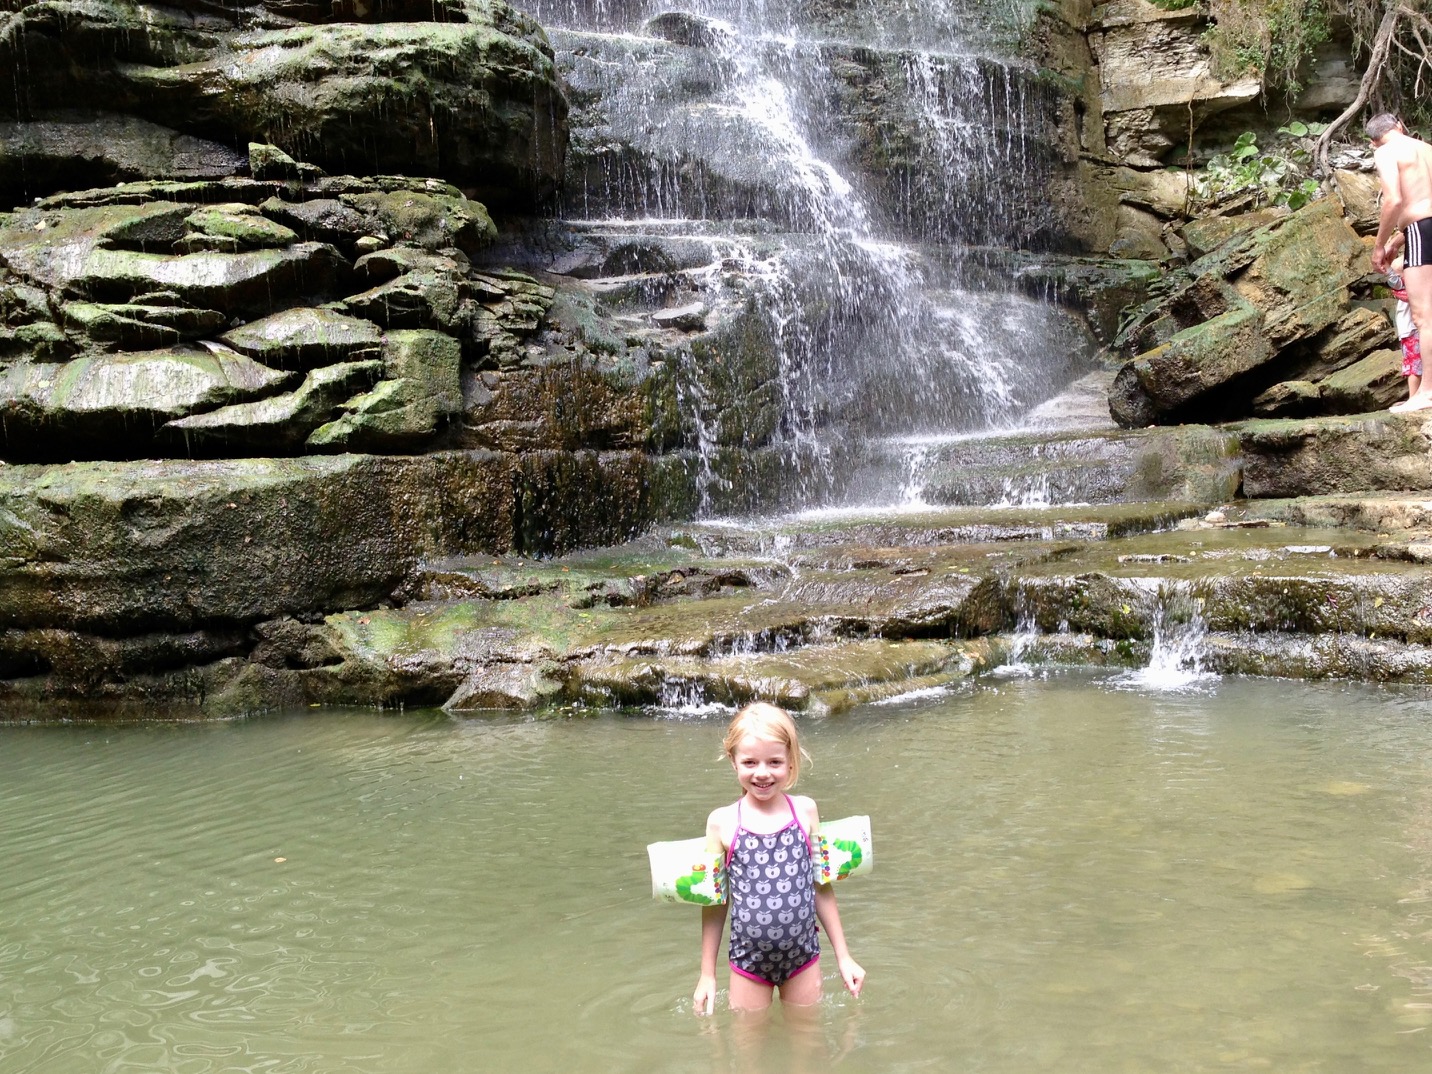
x=1419 y=242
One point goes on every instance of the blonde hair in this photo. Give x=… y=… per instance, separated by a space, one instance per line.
x=771 y=723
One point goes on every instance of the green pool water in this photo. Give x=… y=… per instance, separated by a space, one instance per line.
x=1070 y=877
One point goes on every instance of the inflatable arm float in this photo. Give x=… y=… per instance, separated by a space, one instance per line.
x=684 y=871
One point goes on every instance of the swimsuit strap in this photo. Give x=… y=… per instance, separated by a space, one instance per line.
x=735 y=834
x=795 y=819
x=809 y=842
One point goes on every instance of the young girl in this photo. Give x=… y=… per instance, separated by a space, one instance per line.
x=1406 y=332
x=765 y=836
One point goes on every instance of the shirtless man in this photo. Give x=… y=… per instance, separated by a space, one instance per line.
x=1404 y=164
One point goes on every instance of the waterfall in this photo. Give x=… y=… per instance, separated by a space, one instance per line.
x=838 y=162
x=1179 y=630
x=1021 y=643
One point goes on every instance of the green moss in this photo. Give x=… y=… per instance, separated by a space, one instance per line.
x=433 y=221
x=245 y=225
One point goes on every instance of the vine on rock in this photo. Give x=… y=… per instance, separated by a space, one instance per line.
x=1272 y=39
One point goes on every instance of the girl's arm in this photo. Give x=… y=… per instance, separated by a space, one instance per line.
x=828 y=914
x=713 y=921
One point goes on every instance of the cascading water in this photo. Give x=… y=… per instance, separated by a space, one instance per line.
x=837 y=160
x=1176 y=659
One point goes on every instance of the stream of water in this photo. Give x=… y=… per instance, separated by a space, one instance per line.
x=1071 y=875
x=837 y=160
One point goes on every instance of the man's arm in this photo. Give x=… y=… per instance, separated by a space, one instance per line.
x=1391 y=175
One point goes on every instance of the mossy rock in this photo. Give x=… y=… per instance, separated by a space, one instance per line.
x=1319 y=456
x=120 y=398
x=278 y=425
x=304 y=337
x=467 y=90
x=245 y=226
x=123 y=548
x=432 y=221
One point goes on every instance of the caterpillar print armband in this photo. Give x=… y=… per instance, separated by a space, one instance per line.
x=843 y=848
x=685 y=871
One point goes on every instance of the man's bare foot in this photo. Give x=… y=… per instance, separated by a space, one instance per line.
x=1420 y=401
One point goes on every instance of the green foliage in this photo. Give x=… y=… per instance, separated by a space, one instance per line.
x=1277 y=175
x=1270 y=39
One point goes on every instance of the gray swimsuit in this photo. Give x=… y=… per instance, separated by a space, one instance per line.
x=773 y=922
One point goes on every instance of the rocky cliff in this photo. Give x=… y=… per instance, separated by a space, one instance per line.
x=464 y=90
x=293 y=382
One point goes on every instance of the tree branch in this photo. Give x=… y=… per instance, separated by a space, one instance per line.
x=1377 y=59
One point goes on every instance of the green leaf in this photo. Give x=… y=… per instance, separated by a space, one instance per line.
x=1296 y=128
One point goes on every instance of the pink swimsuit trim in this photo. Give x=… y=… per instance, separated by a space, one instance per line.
x=754 y=977
x=794 y=820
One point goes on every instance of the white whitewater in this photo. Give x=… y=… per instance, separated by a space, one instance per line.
x=895 y=342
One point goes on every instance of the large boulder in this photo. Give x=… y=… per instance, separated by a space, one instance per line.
x=73 y=150
x=465 y=90
x=1270 y=304
x=171 y=545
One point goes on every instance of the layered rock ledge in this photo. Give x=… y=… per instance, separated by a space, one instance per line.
x=228 y=587
x=460 y=89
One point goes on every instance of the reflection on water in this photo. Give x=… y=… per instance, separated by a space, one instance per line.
x=1072 y=877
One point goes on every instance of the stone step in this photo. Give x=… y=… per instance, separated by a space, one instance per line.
x=1193 y=464
x=1031 y=485
x=946 y=526
x=832 y=613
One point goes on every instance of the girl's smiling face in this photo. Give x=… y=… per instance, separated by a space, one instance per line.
x=762 y=767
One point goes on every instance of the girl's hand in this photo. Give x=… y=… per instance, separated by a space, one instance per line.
x=703 y=1000
x=853 y=974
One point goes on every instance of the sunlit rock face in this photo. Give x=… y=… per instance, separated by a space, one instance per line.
x=462 y=89
x=1262 y=324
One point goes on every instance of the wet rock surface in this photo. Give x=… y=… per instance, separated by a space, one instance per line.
x=819 y=611
x=664 y=125
x=275 y=436
x=464 y=90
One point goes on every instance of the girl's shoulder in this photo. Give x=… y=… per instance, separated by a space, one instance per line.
x=806 y=811
x=721 y=825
